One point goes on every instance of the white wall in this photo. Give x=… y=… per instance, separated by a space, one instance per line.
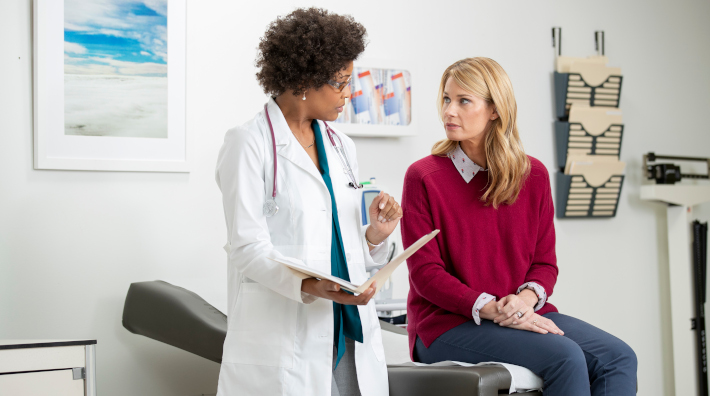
x=72 y=242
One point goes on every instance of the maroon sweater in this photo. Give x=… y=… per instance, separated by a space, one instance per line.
x=479 y=249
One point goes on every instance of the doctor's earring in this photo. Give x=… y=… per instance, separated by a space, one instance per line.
x=304 y=95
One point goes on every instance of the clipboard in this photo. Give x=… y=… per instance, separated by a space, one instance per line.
x=381 y=276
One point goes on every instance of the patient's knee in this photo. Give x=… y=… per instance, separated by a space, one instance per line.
x=615 y=356
x=568 y=357
x=623 y=355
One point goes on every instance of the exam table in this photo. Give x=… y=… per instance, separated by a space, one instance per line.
x=181 y=318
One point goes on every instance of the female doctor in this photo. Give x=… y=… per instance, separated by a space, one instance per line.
x=290 y=190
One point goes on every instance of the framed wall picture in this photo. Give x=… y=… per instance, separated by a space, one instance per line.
x=381 y=102
x=109 y=85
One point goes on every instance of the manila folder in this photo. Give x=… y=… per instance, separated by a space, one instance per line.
x=381 y=276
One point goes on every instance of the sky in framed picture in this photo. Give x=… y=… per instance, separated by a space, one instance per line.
x=115 y=68
x=379 y=97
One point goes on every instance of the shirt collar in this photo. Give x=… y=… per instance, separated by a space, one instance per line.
x=466 y=168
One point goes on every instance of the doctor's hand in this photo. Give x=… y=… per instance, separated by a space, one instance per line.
x=385 y=213
x=331 y=291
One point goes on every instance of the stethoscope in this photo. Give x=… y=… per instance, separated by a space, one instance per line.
x=270 y=207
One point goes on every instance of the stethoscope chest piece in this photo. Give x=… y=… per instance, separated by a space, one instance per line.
x=270 y=207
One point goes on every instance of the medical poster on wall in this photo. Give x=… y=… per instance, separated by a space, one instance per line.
x=379 y=97
x=110 y=85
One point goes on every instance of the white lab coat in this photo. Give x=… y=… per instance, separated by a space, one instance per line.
x=280 y=340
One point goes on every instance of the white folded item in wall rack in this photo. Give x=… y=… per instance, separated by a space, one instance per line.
x=585 y=81
x=589 y=131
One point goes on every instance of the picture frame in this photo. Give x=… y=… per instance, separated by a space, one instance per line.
x=379 y=130
x=58 y=145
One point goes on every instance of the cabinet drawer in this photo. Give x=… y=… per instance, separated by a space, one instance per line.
x=35 y=359
x=43 y=383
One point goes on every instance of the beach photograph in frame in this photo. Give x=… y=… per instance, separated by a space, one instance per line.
x=115 y=68
x=109 y=89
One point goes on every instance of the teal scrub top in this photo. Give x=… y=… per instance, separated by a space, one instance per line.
x=347 y=318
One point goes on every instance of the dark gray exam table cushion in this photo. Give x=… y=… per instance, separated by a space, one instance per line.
x=175 y=316
x=181 y=318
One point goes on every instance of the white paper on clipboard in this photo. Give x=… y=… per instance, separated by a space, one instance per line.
x=381 y=276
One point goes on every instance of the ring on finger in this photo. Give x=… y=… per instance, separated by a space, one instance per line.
x=520 y=314
x=535 y=322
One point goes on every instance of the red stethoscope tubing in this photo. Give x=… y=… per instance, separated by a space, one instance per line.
x=273 y=144
x=332 y=141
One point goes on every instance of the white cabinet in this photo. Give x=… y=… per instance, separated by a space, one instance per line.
x=47 y=367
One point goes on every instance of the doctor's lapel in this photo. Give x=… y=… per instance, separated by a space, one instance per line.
x=286 y=144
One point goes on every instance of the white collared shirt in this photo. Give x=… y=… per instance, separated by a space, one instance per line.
x=468 y=170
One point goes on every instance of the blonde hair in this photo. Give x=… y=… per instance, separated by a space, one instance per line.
x=508 y=166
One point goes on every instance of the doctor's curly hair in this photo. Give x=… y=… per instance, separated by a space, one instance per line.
x=306 y=48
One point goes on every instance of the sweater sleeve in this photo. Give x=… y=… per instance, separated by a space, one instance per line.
x=543 y=270
x=428 y=274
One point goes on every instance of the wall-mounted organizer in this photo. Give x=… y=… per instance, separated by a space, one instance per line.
x=588 y=133
x=590 y=192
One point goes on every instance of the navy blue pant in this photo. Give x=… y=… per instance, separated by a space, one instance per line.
x=585 y=361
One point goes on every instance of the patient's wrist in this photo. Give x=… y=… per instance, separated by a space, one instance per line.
x=529 y=297
x=489 y=311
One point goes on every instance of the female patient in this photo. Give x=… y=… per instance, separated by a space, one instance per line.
x=480 y=293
